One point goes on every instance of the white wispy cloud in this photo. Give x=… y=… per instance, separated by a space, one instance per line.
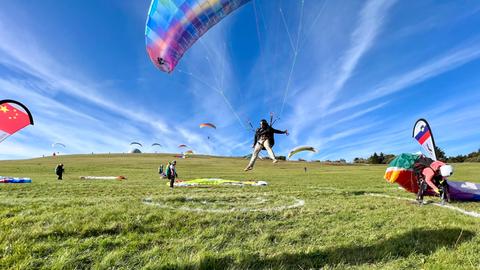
x=312 y=104
x=442 y=64
x=371 y=20
x=42 y=68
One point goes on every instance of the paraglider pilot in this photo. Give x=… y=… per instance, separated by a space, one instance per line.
x=264 y=140
x=59 y=170
x=172 y=173
x=434 y=175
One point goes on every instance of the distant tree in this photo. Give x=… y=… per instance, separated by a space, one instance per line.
x=381 y=158
x=374 y=159
x=440 y=154
x=358 y=160
x=282 y=158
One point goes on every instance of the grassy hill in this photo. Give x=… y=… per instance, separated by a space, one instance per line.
x=106 y=224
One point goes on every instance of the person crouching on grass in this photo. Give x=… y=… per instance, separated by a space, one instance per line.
x=264 y=139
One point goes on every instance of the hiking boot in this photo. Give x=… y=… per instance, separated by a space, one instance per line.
x=248 y=168
x=275 y=161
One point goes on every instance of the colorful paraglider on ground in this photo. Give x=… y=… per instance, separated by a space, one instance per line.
x=401 y=169
x=14 y=180
x=212 y=182
x=14 y=116
x=173 y=26
x=301 y=149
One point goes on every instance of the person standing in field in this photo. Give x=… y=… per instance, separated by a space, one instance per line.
x=59 y=170
x=264 y=139
x=172 y=173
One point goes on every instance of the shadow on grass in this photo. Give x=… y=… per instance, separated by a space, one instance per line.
x=418 y=241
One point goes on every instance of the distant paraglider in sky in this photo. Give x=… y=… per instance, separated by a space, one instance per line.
x=14 y=116
x=301 y=149
x=156 y=144
x=182 y=146
x=56 y=145
x=136 y=143
x=210 y=125
x=173 y=26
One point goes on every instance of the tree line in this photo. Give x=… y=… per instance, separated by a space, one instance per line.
x=387 y=158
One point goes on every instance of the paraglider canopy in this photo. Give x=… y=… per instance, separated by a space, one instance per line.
x=136 y=143
x=301 y=149
x=14 y=116
x=58 y=145
x=182 y=145
x=210 y=125
x=173 y=26
x=156 y=144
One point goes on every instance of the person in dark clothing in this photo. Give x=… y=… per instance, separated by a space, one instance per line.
x=172 y=173
x=264 y=140
x=59 y=170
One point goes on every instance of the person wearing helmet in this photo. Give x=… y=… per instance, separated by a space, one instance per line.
x=264 y=140
x=435 y=176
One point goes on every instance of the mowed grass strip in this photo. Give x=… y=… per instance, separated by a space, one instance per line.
x=104 y=224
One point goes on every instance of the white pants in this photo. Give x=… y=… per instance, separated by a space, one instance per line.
x=258 y=147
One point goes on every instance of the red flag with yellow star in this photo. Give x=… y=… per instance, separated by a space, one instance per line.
x=13 y=117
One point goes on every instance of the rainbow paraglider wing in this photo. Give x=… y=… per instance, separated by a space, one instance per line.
x=400 y=171
x=14 y=116
x=173 y=26
x=210 y=125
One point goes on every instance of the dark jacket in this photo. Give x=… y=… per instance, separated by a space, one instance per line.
x=59 y=170
x=268 y=132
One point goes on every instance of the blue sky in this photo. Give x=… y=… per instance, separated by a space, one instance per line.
x=348 y=77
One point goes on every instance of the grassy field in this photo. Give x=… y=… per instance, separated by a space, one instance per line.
x=81 y=224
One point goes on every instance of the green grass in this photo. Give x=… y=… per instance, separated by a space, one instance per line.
x=81 y=224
